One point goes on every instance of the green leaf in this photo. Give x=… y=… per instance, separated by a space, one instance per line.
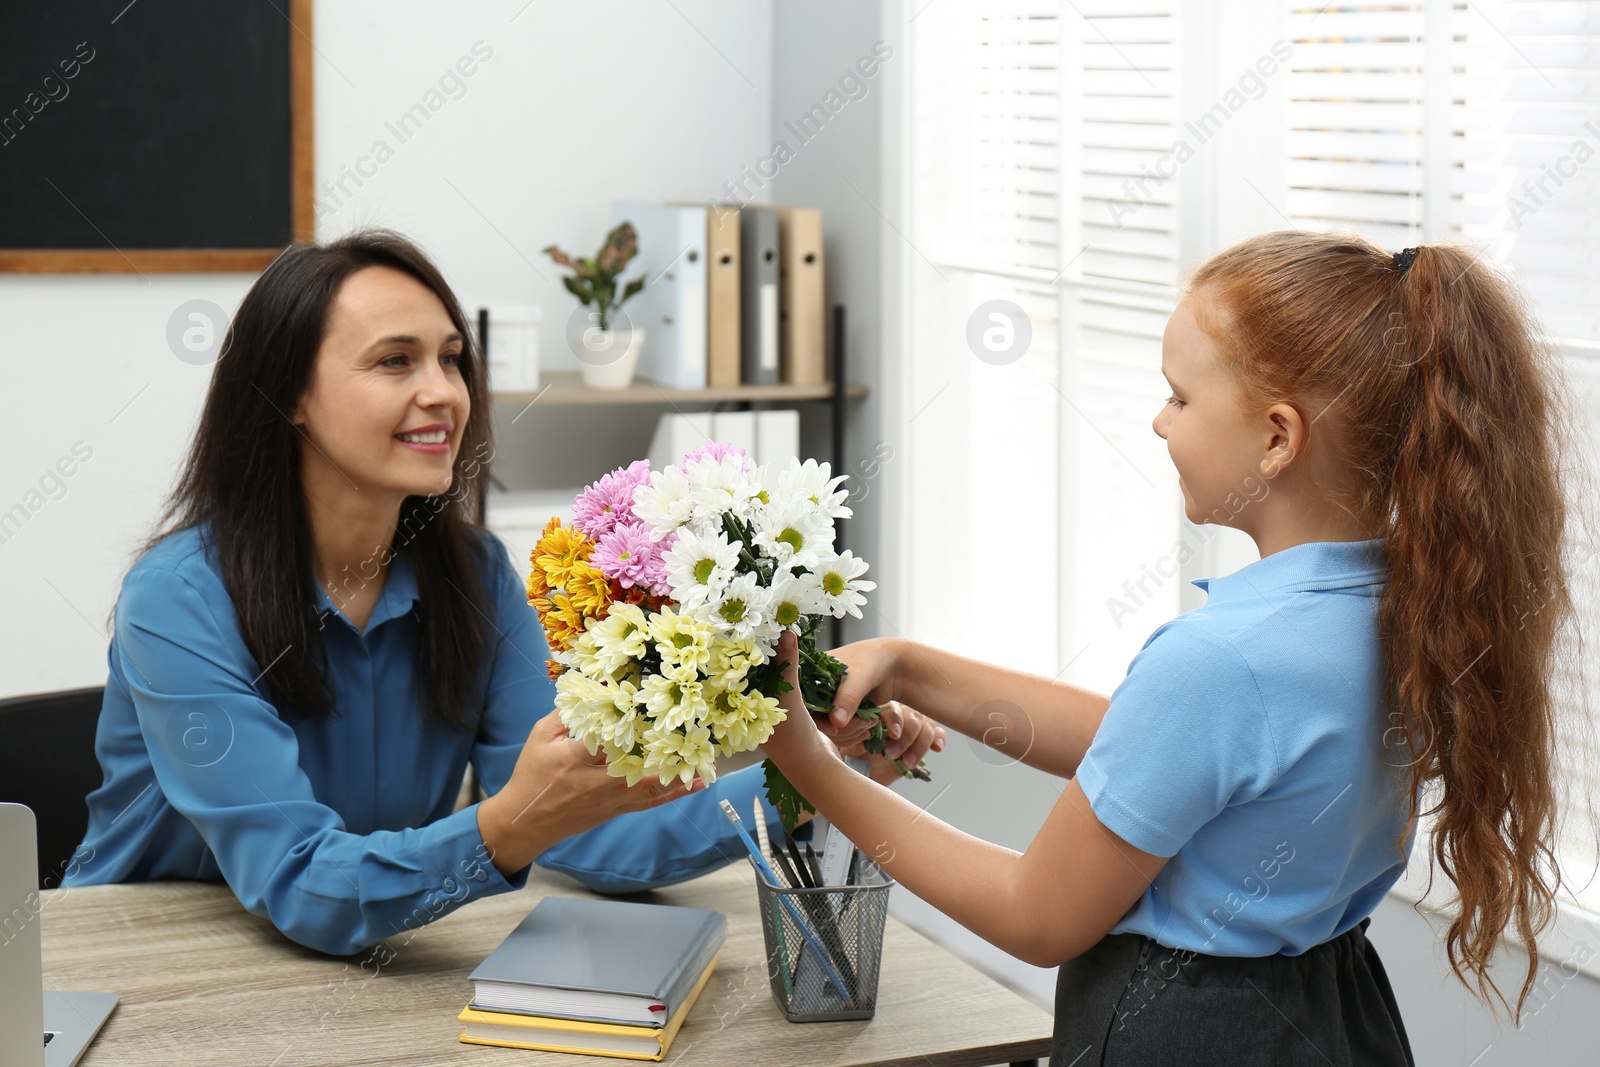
x=785 y=797
x=582 y=290
x=630 y=289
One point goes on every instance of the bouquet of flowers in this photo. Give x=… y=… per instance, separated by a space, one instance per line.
x=663 y=602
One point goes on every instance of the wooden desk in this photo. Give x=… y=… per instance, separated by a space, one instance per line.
x=205 y=982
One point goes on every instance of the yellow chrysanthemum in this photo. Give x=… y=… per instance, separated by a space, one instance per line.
x=682 y=640
x=589 y=590
x=621 y=638
x=559 y=550
x=538 y=584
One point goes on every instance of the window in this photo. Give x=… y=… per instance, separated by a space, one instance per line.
x=1065 y=162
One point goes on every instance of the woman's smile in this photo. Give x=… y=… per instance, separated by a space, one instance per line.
x=432 y=439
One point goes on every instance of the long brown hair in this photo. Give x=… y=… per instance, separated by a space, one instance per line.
x=241 y=481
x=1433 y=388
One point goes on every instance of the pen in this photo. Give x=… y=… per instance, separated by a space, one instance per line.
x=799 y=862
x=788 y=905
x=790 y=879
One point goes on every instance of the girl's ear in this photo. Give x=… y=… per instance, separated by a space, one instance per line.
x=1286 y=438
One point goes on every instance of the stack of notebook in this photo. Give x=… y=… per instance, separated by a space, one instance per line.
x=600 y=977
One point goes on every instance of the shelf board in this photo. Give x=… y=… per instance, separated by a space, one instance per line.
x=566 y=389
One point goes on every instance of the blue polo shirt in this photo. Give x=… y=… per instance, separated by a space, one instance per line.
x=341 y=831
x=1248 y=743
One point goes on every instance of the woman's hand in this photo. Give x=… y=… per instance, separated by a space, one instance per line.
x=558 y=789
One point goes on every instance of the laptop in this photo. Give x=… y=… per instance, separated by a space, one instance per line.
x=38 y=1027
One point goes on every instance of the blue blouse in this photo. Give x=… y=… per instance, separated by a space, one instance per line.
x=341 y=831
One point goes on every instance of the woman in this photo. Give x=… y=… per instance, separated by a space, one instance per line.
x=319 y=640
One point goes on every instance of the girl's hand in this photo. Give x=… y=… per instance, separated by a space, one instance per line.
x=911 y=735
x=796 y=739
x=874 y=667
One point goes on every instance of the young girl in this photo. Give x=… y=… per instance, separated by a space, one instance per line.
x=1246 y=796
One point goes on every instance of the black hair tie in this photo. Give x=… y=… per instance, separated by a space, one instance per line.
x=1403 y=259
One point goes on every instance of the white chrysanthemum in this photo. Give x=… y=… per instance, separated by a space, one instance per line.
x=584 y=656
x=586 y=708
x=698 y=567
x=619 y=639
x=680 y=754
x=792 y=598
x=795 y=533
x=840 y=585
x=627 y=729
x=717 y=487
x=629 y=766
x=681 y=639
x=739 y=610
x=811 y=482
x=663 y=504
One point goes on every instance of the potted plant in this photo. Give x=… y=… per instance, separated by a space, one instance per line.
x=599 y=332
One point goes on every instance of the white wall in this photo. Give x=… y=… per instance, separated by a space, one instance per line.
x=821 y=51
x=575 y=106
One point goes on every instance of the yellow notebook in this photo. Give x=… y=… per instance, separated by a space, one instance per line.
x=545 y=1034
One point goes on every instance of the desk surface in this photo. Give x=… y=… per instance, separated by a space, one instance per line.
x=204 y=981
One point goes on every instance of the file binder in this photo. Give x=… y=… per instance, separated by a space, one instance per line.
x=723 y=312
x=759 y=278
x=802 y=342
x=671 y=308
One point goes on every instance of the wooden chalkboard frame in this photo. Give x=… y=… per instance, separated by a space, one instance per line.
x=169 y=260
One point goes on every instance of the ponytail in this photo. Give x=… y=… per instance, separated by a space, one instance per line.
x=1474 y=598
x=1442 y=404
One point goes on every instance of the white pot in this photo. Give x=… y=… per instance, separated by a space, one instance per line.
x=608 y=356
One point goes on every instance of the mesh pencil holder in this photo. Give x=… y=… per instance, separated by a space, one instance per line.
x=846 y=924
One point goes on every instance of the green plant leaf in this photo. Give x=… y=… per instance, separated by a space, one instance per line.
x=578 y=288
x=630 y=289
x=785 y=797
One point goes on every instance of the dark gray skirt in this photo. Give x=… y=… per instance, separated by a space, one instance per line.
x=1130 y=1001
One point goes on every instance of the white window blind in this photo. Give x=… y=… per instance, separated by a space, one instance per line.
x=1027 y=121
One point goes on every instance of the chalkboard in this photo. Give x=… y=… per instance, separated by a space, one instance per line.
x=154 y=135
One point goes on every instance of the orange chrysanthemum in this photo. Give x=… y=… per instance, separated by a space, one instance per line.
x=562 y=623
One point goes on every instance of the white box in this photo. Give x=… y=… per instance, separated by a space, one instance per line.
x=513 y=354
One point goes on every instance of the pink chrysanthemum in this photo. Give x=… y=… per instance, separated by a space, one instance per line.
x=609 y=501
x=717 y=450
x=626 y=554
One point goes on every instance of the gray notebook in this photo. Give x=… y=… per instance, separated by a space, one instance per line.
x=606 y=961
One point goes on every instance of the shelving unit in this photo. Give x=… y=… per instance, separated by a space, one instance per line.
x=566 y=389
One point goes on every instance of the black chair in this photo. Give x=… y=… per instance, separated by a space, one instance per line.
x=47 y=762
